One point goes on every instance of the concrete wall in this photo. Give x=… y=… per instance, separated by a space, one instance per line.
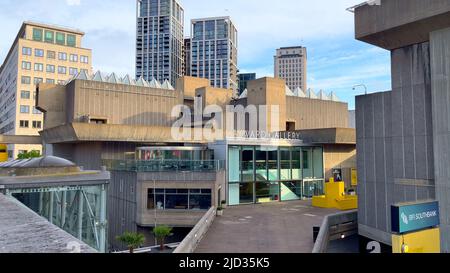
x=339 y=156
x=313 y=114
x=394 y=142
x=440 y=76
x=121 y=206
x=400 y=23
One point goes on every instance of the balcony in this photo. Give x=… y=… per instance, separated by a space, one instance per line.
x=165 y=165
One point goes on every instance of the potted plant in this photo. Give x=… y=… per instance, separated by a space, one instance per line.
x=132 y=240
x=220 y=211
x=224 y=203
x=161 y=232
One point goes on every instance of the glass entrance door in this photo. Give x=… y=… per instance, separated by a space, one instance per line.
x=313 y=187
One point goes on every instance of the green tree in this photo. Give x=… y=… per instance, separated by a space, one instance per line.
x=132 y=240
x=161 y=232
x=28 y=155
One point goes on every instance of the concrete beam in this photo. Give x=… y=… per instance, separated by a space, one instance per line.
x=6 y=139
x=399 y=23
x=324 y=136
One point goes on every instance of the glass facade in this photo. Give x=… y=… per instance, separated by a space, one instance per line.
x=260 y=174
x=79 y=210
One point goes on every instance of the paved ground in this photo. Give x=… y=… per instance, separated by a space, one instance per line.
x=266 y=228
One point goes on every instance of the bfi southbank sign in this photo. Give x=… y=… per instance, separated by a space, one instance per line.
x=414 y=217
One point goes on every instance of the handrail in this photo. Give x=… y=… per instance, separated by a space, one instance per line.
x=164 y=165
x=323 y=238
x=191 y=241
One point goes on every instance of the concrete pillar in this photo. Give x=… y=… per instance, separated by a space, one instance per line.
x=440 y=78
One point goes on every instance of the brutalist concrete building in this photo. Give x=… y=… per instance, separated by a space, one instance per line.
x=403 y=135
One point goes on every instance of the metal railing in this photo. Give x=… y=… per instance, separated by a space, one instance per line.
x=190 y=243
x=164 y=165
x=333 y=227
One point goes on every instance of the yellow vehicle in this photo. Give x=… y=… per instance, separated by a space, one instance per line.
x=3 y=153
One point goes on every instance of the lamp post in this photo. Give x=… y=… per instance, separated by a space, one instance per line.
x=361 y=85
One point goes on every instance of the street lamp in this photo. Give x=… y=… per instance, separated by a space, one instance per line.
x=361 y=85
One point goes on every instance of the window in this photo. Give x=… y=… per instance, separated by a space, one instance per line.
x=62 y=70
x=36 y=111
x=62 y=56
x=37 y=34
x=71 y=40
x=24 y=124
x=60 y=38
x=38 y=67
x=26 y=51
x=38 y=80
x=26 y=80
x=49 y=36
x=24 y=109
x=73 y=58
x=50 y=68
x=84 y=59
x=73 y=71
x=37 y=124
x=25 y=94
x=51 y=54
x=179 y=199
x=52 y=81
x=26 y=65
x=39 y=52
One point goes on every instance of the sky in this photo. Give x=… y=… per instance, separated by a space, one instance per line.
x=336 y=61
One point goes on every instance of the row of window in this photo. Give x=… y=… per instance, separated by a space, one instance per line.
x=290 y=61
x=27 y=80
x=62 y=56
x=25 y=109
x=179 y=199
x=26 y=124
x=39 y=67
x=49 y=36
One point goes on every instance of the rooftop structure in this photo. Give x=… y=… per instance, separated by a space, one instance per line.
x=62 y=193
x=24 y=231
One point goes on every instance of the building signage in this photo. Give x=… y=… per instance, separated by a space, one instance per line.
x=413 y=217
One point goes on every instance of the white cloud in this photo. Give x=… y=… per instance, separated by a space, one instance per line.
x=73 y=2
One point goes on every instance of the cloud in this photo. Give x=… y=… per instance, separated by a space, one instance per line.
x=73 y=2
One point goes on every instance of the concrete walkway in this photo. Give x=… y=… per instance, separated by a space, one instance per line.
x=267 y=228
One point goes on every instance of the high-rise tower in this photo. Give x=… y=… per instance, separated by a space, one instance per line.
x=159 y=40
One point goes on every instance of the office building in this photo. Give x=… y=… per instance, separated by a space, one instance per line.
x=243 y=78
x=214 y=51
x=159 y=40
x=402 y=135
x=187 y=57
x=291 y=65
x=40 y=53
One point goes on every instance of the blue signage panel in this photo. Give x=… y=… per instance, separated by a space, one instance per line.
x=407 y=218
